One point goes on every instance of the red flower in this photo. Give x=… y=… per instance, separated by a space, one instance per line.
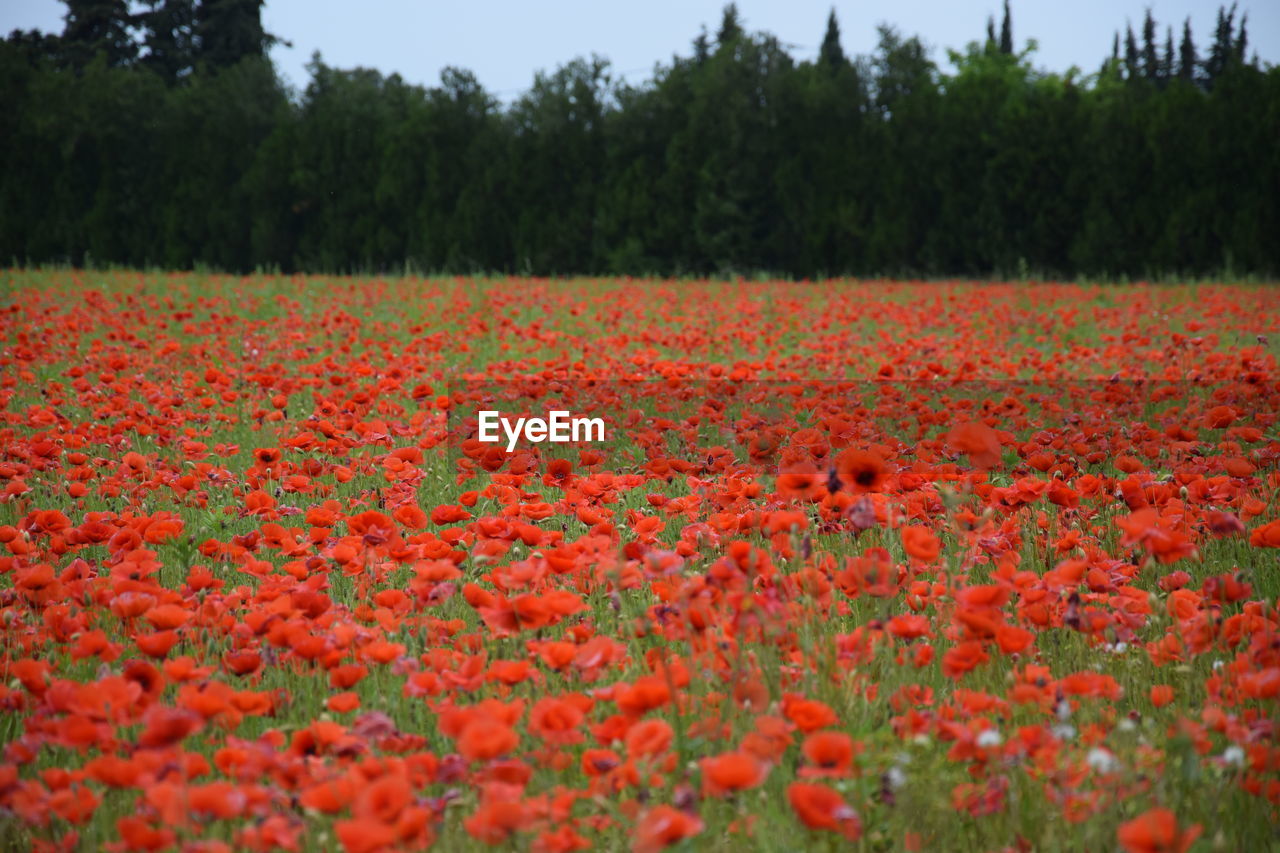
x=663 y=826
x=920 y=544
x=1156 y=831
x=860 y=470
x=731 y=772
x=1266 y=536
x=979 y=441
x=962 y=658
x=484 y=739
x=820 y=807
x=830 y=753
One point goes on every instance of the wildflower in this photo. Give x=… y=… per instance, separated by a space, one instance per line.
x=662 y=826
x=1156 y=831
x=821 y=807
x=860 y=471
x=732 y=772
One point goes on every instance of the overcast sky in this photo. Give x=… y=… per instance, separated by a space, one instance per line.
x=505 y=41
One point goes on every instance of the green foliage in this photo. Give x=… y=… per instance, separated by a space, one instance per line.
x=831 y=54
x=556 y=159
x=1006 y=31
x=228 y=31
x=169 y=36
x=185 y=150
x=98 y=26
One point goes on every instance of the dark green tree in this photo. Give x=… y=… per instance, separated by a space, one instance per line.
x=701 y=47
x=98 y=26
x=831 y=54
x=730 y=142
x=1187 y=60
x=556 y=162
x=463 y=220
x=902 y=68
x=735 y=159
x=1222 y=52
x=905 y=94
x=212 y=132
x=652 y=167
x=1132 y=60
x=823 y=188
x=338 y=158
x=730 y=26
x=228 y=31
x=1150 y=56
x=169 y=37
x=34 y=46
x=1006 y=32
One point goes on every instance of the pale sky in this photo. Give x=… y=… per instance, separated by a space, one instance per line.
x=504 y=42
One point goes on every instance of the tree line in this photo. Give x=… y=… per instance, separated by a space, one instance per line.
x=159 y=134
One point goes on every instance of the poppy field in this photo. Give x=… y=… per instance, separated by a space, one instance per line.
x=858 y=565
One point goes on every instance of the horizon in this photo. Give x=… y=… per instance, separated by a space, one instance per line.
x=543 y=39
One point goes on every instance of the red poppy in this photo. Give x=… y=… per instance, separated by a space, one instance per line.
x=921 y=544
x=732 y=772
x=829 y=753
x=662 y=826
x=1156 y=831
x=649 y=738
x=860 y=470
x=1266 y=536
x=821 y=807
x=979 y=441
x=484 y=739
x=963 y=658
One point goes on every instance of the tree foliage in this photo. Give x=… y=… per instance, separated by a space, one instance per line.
x=175 y=144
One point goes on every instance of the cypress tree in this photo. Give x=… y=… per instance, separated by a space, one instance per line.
x=751 y=162
x=1006 y=32
x=1187 y=60
x=730 y=26
x=1222 y=50
x=1131 y=60
x=831 y=54
x=1242 y=39
x=701 y=47
x=1150 y=61
x=1166 y=62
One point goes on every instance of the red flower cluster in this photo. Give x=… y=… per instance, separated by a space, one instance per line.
x=860 y=560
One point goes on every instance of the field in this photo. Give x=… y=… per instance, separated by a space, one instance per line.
x=859 y=565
